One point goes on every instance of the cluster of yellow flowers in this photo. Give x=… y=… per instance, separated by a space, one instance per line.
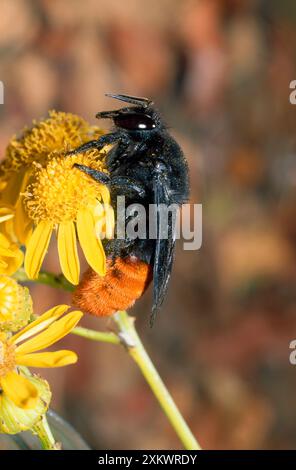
x=42 y=193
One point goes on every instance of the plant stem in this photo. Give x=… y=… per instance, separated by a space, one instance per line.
x=136 y=350
x=43 y=432
x=96 y=335
x=127 y=336
x=52 y=280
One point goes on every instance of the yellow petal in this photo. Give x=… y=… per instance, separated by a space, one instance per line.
x=5 y=251
x=6 y=211
x=22 y=223
x=5 y=214
x=92 y=246
x=99 y=216
x=37 y=248
x=6 y=217
x=13 y=188
x=51 y=335
x=104 y=220
x=40 y=323
x=12 y=263
x=22 y=392
x=47 y=359
x=109 y=222
x=68 y=252
x=3 y=265
x=4 y=317
x=11 y=256
x=105 y=194
x=4 y=241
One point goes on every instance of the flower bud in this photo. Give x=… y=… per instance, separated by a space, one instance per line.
x=14 y=419
x=15 y=305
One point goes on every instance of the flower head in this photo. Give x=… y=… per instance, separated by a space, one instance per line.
x=64 y=199
x=15 y=305
x=59 y=132
x=23 y=348
x=47 y=194
x=59 y=190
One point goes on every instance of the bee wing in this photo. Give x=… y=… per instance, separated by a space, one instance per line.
x=164 y=248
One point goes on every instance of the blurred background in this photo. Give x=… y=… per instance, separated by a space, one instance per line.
x=220 y=72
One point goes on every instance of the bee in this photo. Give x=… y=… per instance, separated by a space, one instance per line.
x=146 y=166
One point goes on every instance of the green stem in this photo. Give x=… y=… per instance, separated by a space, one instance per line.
x=136 y=350
x=43 y=432
x=129 y=338
x=96 y=335
x=52 y=280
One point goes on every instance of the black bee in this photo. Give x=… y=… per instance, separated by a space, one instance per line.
x=147 y=166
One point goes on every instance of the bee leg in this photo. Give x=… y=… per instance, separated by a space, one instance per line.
x=127 y=185
x=123 y=183
x=97 y=144
x=95 y=174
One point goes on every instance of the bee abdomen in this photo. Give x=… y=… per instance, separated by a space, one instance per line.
x=124 y=282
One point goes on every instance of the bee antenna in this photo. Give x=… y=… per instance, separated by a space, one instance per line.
x=139 y=101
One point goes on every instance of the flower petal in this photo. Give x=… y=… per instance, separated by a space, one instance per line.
x=104 y=220
x=3 y=265
x=5 y=214
x=11 y=256
x=4 y=241
x=12 y=263
x=92 y=246
x=37 y=248
x=5 y=251
x=105 y=194
x=47 y=359
x=51 y=335
x=13 y=188
x=40 y=323
x=20 y=390
x=22 y=223
x=68 y=254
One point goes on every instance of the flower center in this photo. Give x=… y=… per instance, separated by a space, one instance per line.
x=7 y=358
x=60 y=131
x=60 y=190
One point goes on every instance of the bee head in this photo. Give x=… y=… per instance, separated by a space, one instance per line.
x=141 y=117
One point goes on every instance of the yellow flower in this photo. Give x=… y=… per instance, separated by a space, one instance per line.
x=14 y=419
x=46 y=194
x=15 y=305
x=60 y=132
x=23 y=349
x=5 y=214
x=11 y=257
x=64 y=199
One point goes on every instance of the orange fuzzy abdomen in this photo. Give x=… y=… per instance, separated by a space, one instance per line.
x=124 y=282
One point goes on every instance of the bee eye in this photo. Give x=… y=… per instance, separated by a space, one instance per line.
x=135 y=122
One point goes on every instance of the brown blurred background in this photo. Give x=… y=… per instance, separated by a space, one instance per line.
x=220 y=73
